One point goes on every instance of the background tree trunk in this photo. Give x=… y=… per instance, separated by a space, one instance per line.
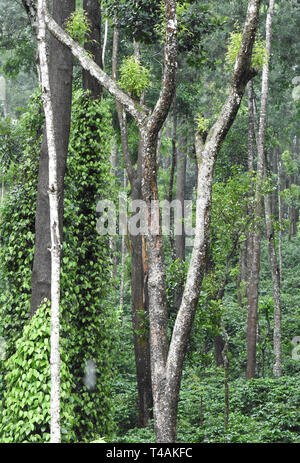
x=139 y=292
x=255 y=258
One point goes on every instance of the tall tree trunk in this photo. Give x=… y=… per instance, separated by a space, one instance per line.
x=60 y=75
x=280 y=214
x=255 y=258
x=172 y=175
x=123 y=252
x=55 y=433
x=112 y=239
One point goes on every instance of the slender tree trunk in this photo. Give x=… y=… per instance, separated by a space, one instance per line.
x=280 y=214
x=255 y=258
x=172 y=175
x=55 y=433
x=226 y=379
x=60 y=75
x=123 y=253
x=112 y=239
x=275 y=272
x=104 y=42
x=180 y=196
x=247 y=249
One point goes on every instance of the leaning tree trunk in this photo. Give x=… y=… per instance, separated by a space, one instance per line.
x=55 y=433
x=60 y=75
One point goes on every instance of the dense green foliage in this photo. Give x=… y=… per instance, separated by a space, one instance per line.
x=89 y=317
x=98 y=383
x=26 y=413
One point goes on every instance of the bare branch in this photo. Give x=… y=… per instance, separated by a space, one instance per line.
x=139 y=112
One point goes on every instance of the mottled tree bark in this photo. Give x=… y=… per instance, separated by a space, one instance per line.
x=180 y=194
x=172 y=176
x=275 y=272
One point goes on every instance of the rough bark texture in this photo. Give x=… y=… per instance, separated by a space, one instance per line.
x=172 y=175
x=60 y=74
x=55 y=433
x=93 y=45
x=255 y=258
x=206 y=155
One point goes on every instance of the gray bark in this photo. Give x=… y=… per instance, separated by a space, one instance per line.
x=139 y=269
x=180 y=194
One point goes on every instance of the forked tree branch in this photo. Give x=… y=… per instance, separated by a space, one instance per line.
x=206 y=152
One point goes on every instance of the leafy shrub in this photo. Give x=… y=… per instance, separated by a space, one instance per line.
x=258 y=54
x=135 y=78
x=78 y=25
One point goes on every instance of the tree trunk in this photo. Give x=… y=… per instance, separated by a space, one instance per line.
x=60 y=75
x=180 y=196
x=274 y=267
x=123 y=252
x=255 y=258
x=172 y=175
x=280 y=214
x=55 y=433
